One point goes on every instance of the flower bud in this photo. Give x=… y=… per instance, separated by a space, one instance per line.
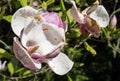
x=113 y=21
x=35 y=4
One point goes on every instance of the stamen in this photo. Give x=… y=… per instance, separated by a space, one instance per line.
x=45 y=29
x=32 y=50
x=79 y=10
x=63 y=42
x=38 y=17
x=96 y=2
x=30 y=16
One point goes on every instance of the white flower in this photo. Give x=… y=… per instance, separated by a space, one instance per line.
x=92 y=18
x=41 y=37
x=2 y=66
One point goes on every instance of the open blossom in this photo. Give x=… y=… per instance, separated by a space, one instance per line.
x=2 y=66
x=41 y=36
x=113 y=21
x=91 y=19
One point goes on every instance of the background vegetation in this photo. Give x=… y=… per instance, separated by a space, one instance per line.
x=96 y=59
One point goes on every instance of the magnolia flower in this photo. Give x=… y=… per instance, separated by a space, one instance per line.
x=113 y=21
x=91 y=19
x=2 y=66
x=41 y=36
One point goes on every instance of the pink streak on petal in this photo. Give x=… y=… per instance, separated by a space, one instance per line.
x=53 y=18
x=54 y=53
x=22 y=55
x=38 y=57
x=65 y=26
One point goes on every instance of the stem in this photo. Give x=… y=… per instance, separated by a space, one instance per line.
x=116 y=11
x=82 y=42
x=6 y=46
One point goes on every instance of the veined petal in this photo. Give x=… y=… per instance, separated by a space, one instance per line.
x=60 y=64
x=100 y=15
x=19 y=18
x=23 y=56
x=78 y=16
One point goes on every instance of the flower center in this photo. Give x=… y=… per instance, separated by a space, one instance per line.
x=38 y=17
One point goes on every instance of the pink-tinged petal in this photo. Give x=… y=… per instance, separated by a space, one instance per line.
x=92 y=26
x=35 y=3
x=54 y=53
x=78 y=16
x=19 y=18
x=39 y=57
x=60 y=64
x=113 y=21
x=83 y=29
x=65 y=26
x=53 y=18
x=100 y=15
x=23 y=56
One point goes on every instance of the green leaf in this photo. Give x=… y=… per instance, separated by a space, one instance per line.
x=62 y=5
x=23 y=2
x=69 y=16
x=4 y=54
x=81 y=64
x=10 y=68
x=7 y=18
x=26 y=72
x=89 y=48
x=69 y=78
x=75 y=33
x=49 y=2
x=44 y=4
x=31 y=2
x=19 y=70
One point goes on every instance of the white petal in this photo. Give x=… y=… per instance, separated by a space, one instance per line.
x=76 y=14
x=44 y=35
x=60 y=64
x=90 y=9
x=23 y=56
x=101 y=16
x=42 y=11
x=19 y=18
x=3 y=65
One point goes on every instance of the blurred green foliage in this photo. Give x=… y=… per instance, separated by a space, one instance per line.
x=96 y=59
